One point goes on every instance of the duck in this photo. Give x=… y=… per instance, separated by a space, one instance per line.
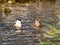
x=37 y=24
x=18 y=24
x=37 y=27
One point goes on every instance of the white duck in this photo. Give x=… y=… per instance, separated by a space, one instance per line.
x=18 y=24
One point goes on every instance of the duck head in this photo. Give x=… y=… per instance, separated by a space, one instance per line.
x=18 y=24
x=19 y=19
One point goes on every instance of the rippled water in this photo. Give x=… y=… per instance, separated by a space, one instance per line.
x=8 y=34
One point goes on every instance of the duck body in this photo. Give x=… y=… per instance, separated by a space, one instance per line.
x=18 y=24
x=37 y=24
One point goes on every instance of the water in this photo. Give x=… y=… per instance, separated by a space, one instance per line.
x=8 y=36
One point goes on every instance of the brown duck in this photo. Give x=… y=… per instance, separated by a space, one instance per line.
x=37 y=24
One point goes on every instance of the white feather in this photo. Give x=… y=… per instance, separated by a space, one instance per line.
x=18 y=24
